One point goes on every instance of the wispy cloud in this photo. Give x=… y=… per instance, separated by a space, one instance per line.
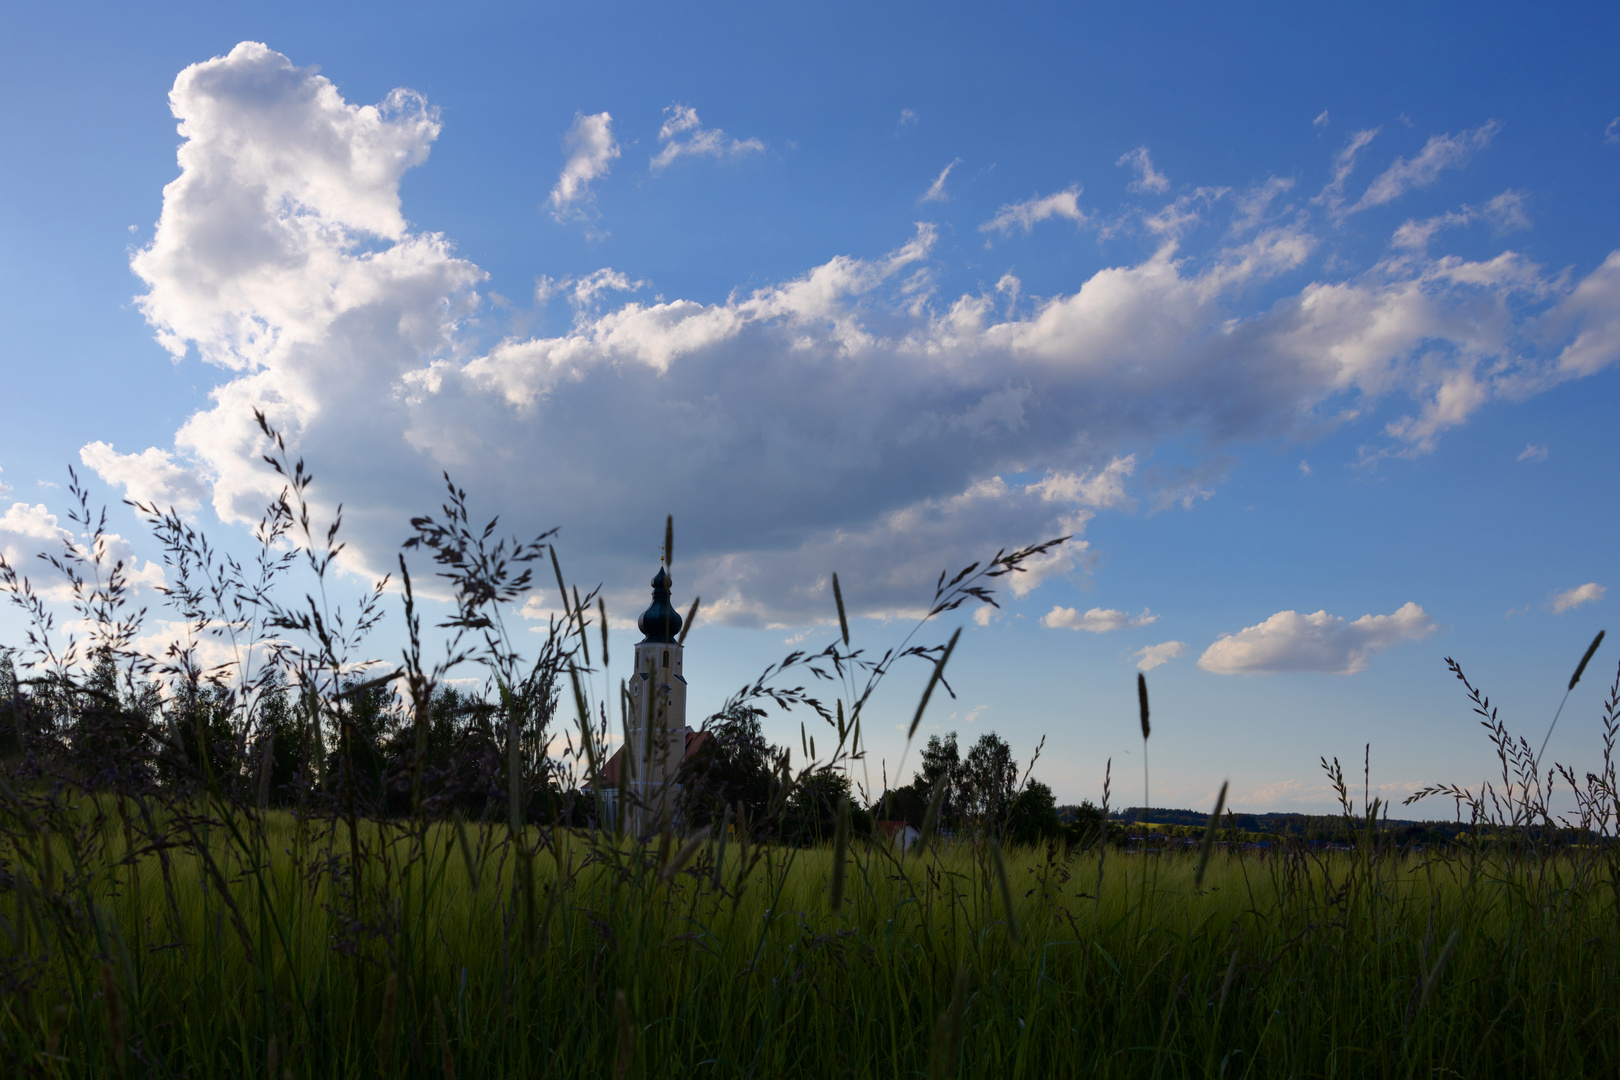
x=1533 y=452
x=1441 y=152
x=1321 y=120
x=1254 y=204
x=1505 y=213
x=936 y=190
x=591 y=151
x=684 y=135
x=1590 y=593
x=1344 y=163
x=1031 y=212
x=1148 y=179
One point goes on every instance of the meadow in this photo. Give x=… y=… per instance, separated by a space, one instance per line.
x=248 y=954
x=247 y=870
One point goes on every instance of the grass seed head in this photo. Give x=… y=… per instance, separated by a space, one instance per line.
x=1141 y=700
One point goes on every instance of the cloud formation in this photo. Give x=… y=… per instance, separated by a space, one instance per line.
x=1031 y=212
x=1290 y=641
x=150 y=477
x=1441 y=152
x=1148 y=180
x=848 y=417
x=1590 y=593
x=1153 y=655
x=1096 y=621
x=1505 y=213
x=591 y=152
x=29 y=532
x=936 y=190
x=684 y=135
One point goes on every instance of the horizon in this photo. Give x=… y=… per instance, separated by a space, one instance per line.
x=1314 y=366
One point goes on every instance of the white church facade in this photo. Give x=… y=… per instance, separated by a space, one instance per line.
x=644 y=772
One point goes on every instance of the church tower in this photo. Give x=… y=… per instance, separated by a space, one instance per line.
x=657 y=729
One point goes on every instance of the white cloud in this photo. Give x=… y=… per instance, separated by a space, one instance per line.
x=1147 y=178
x=1153 y=655
x=1253 y=204
x=1611 y=134
x=1183 y=213
x=1096 y=620
x=28 y=532
x=1290 y=641
x=684 y=135
x=5 y=488
x=1321 y=120
x=1304 y=468
x=1505 y=213
x=847 y=417
x=1533 y=452
x=150 y=477
x=1439 y=153
x=908 y=118
x=1590 y=593
x=591 y=151
x=1031 y=212
x=1102 y=489
x=936 y=190
x=1344 y=163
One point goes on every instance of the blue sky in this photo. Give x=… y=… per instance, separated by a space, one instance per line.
x=1278 y=311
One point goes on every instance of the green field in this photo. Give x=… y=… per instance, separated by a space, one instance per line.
x=261 y=870
x=258 y=958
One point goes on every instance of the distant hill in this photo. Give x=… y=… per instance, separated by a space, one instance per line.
x=1268 y=822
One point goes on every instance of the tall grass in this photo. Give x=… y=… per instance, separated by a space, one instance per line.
x=1362 y=963
x=167 y=920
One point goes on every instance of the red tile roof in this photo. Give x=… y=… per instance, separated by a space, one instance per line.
x=697 y=742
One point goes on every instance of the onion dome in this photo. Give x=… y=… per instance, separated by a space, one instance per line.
x=660 y=622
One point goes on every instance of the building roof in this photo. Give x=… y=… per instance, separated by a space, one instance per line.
x=697 y=744
x=660 y=622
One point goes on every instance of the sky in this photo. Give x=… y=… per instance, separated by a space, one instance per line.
x=1300 y=323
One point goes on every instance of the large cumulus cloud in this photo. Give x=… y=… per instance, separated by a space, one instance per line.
x=849 y=418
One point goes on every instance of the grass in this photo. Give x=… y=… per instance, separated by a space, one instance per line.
x=158 y=919
x=1289 y=963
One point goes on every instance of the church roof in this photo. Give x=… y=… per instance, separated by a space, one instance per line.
x=697 y=744
x=660 y=622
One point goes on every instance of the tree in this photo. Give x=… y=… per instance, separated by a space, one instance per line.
x=12 y=726
x=1085 y=827
x=1033 y=816
x=290 y=751
x=988 y=778
x=201 y=731
x=940 y=762
x=738 y=768
x=813 y=809
x=368 y=713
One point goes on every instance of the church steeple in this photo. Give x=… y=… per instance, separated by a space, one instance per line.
x=660 y=622
x=656 y=729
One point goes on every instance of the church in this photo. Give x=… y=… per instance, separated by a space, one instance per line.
x=643 y=772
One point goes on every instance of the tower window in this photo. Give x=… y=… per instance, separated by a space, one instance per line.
x=666 y=658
